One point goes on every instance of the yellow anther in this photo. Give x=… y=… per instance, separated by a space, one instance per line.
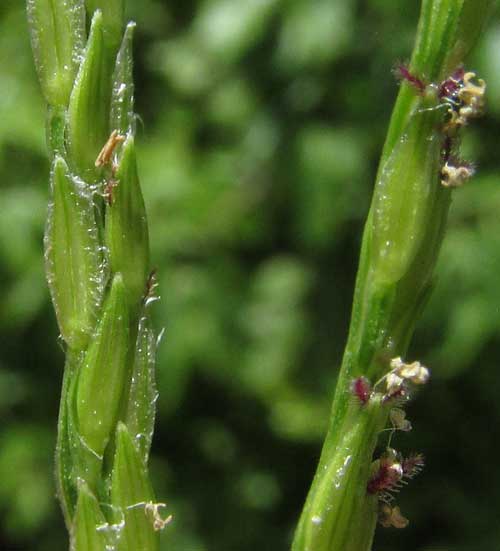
x=108 y=149
x=153 y=509
x=414 y=372
x=398 y=420
x=391 y=516
x=470 y=102
x=455 y=176
x=393 y=382
x=472 y=94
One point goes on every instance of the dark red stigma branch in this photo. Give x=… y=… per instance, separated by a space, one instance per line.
x=361 y=389
x=386 y=478
x=390 y=474
x=449 y=87
x=402 y=73
x=412 y=465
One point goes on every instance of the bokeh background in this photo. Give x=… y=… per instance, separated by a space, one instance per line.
x=262 y=124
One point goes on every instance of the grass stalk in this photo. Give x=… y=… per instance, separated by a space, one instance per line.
x=419 y=166
x=98 y=271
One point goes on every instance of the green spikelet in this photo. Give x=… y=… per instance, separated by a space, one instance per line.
x=126 y=227
x=74 y=257
x=103 y=375
x=88 y=123
x=132 y=495
x=90 y=527
x=57 y=38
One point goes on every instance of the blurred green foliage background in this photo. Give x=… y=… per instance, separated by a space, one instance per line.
x=262 y=124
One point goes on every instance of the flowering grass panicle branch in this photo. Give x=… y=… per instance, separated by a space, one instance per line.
x=419 y=167
x=99 y=275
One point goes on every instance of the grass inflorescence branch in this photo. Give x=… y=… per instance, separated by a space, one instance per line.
x=99 y=275
x=419 y=168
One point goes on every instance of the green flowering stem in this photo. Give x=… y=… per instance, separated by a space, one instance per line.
x=401 y=242
x=97 y=264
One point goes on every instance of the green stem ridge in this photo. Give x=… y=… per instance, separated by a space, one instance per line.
x=401 y=242
x=97 y=263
